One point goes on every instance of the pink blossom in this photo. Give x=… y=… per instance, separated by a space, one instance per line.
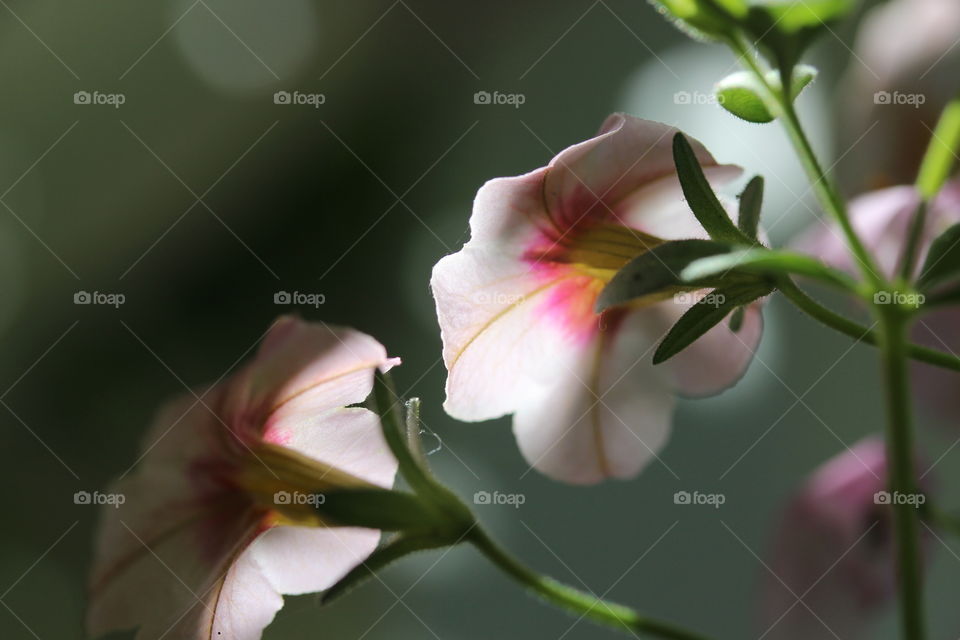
x=217 y=521
x=834 y=550
x=516 y=306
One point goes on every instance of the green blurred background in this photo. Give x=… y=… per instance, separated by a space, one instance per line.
x=356 y=200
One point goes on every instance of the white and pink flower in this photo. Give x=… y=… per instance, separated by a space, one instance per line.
x=516 y=306
x=203 y=547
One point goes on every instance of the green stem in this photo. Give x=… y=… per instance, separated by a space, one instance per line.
x=573 y=600
x=857 y=331
x=827 y=194
x=893 y=348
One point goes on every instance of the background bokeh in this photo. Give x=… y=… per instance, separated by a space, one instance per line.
x=199 y=198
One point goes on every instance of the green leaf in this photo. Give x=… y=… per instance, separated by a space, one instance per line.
x=376 y=509
x=751 y=201
x=742 y=94
x=700 y=196
x=943 y=259
x=402 y=545
x=941 y=152
x=706 y=314
x=655 y=271
x=768 y=263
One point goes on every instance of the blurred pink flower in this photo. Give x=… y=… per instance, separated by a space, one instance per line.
x=902 y=74
x=882 y=218
x=516 y=306
x=834 y=550
x=212 y=530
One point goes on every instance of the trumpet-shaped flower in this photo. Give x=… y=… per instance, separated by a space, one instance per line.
x=516 y=306
x=219 y=516
x=834 y=550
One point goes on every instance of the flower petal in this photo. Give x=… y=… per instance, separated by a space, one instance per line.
x=162 y=542
x=153 y=561
x=334 y=364
x=605 y=413
x=601 y=176
x=495 y=344
x=299 y=560
x=238 y=605
x=350 y=439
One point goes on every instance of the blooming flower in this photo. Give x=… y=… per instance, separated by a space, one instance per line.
x=882 y=218
x=834 y=550
x=516 y=306
x=218 y=520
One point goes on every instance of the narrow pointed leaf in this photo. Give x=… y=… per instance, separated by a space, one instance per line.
x=705 y=315
x=655 y=271
x=768 y=263
x=943 y=259
x=751 y=201
x=700 y=196
x=941 y=152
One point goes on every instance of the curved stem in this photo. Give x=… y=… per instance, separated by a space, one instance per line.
x=577 y=602
x=902 y=476
x=859 y=332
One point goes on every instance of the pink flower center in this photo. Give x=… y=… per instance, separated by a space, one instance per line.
x=576 y=265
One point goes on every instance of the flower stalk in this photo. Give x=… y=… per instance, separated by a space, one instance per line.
x=826 y=192
x=893 y=347
x=577 y=602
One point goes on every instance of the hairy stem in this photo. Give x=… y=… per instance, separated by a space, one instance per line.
x=575 y=601
x=859 y=332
